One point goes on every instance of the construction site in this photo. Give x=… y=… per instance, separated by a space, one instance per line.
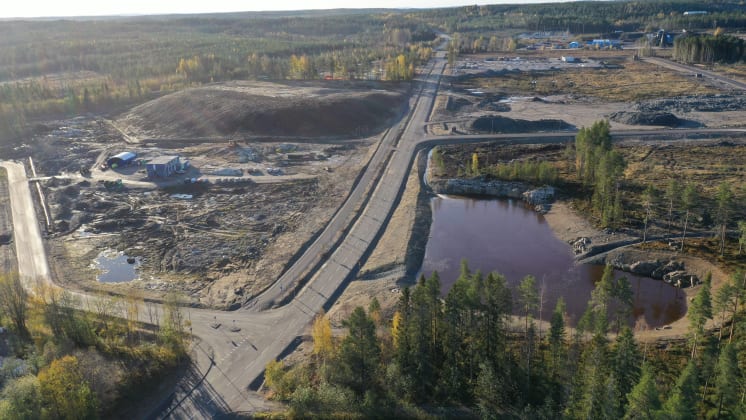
x=134 y=207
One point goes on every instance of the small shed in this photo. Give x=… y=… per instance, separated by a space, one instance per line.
x=163 y=166
x=121 y=159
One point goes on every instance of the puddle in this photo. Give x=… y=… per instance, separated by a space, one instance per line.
x=114 y=267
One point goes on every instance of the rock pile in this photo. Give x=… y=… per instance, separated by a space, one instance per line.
x=670 y=271
x=500 y=124
x=701 y=103
x=665 y=119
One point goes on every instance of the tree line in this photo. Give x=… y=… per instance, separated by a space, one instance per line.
x=465 y=355
x=709 y=49
x=69 y=67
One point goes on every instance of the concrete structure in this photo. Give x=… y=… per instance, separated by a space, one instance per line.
x=121 y=159
x=163 y=166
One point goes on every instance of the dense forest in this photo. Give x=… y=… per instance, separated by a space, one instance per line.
x=589 y=16
x=481 y=352
x=709 y=49
x=70 y=66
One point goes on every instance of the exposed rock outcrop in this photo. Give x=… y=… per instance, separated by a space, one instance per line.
x=477 y=186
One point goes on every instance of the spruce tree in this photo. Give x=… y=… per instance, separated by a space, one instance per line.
x=682 y=403
x=360 y=352
x=643 y=401
x=727 y=380
x=626 y=363
x=699 y=312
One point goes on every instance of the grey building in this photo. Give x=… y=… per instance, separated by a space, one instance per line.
x=163 y=166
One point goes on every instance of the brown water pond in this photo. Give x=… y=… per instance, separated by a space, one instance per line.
x=507 y=237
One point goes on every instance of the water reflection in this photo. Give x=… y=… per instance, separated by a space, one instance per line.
x=505 y=236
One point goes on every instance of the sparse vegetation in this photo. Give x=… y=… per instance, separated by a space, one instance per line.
x=634 y=81
x=70 y=363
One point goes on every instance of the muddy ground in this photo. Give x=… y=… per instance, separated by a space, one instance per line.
x=255 y=204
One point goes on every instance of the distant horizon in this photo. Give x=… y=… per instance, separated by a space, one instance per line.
x=87 y=8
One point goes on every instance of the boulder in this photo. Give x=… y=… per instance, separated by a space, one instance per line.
x=644 y=268
x=681 y=278
x=580 y=245
x=669 y=267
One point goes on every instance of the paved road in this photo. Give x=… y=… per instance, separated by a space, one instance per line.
x=228 y=359
x=683 y=68
x=32 y=258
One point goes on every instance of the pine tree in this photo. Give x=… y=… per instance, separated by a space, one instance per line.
x=727 y=380
x=648 y=202
x=626 y=363
x=699 y=312
x=681 y=404
x=672 y=195
x=689 y=199
x=644 y=399
x=360 y=352
x=557 y=336
x=530 y=301
x=741 y=236
x=724 y=199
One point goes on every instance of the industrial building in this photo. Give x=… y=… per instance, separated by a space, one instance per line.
x=163 y=166
x=121 y=159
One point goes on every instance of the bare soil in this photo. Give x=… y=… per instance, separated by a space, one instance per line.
x=295 y=109
x=223 y=240
x=537 y=86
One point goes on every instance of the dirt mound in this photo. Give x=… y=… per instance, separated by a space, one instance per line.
x=666 y=119
x=498 y=124
x=455 y=104
x=267 y=109
x=701 y=103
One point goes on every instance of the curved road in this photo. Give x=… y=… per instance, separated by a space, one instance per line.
x=233 y=348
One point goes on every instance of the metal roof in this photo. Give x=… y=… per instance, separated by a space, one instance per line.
x=125 y=156
x=162 y=160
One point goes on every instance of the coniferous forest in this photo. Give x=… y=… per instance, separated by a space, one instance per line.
x=482 y=352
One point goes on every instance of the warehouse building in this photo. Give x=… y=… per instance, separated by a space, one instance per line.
x=163 y=166
x=121 y=159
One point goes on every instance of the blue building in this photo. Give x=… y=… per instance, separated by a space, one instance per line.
x=606 y=43
x=163 y=166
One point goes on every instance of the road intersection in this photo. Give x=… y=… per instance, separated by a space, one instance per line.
x=231 y=349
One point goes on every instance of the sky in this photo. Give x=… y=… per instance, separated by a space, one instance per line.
x=47 y=8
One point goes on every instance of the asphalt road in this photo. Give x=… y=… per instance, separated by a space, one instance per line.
x=32 y=258
x=683 y=68
x=232 y=348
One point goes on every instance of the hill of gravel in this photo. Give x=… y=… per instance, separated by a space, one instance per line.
x=315 y=109
x=500 y=124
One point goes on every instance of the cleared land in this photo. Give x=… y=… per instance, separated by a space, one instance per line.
x=273 y=163
x=313 y=109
